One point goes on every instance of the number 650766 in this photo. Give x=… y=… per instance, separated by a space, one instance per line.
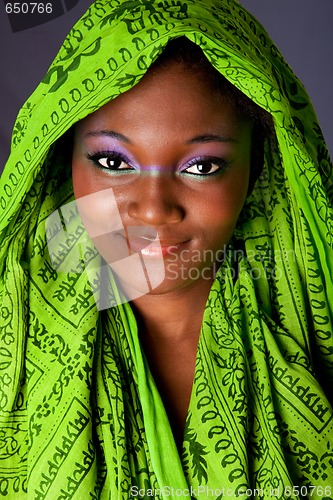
x=28 y=8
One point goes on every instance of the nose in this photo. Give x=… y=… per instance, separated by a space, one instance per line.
x=155 y=200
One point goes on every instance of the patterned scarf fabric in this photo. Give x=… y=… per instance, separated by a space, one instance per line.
x=80 y=414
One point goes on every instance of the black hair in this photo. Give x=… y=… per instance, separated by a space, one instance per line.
x=185 y=52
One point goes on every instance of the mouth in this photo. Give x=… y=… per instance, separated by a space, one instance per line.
x=154 y=248
x=150 y=244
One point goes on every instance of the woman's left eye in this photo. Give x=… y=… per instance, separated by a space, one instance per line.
x=206 y=167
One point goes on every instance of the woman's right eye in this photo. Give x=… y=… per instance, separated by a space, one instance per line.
x=110 y=162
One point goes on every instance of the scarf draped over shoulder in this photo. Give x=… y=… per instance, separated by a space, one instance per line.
x=80 y=414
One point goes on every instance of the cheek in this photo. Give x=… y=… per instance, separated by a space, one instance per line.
x=95 y=200
x=80 y=179
x=225 y=201
x=85 y=181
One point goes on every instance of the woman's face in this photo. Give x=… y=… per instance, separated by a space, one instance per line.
x=175 y=157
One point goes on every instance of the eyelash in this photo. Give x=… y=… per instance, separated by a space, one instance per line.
x=113 y=155
x=210 y=160
x=109 y=155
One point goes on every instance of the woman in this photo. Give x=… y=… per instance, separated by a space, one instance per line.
x=211 y=384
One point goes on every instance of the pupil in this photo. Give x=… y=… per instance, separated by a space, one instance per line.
x=204 y=167
x=114 y=162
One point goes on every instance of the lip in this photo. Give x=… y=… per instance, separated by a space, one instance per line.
x=154 y=247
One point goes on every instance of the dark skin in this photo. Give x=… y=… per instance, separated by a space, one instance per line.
x=185 y=174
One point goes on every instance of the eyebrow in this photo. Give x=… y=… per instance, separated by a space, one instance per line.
x=195 y=140
x=210 y=138
x=109 y=133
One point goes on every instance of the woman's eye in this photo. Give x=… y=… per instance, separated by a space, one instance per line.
x=206 y=167
x=107 y=160
x=112 y=163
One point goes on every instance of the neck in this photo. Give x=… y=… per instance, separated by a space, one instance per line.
x=173 y=315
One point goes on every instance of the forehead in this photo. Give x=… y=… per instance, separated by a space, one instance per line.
x=172 y=98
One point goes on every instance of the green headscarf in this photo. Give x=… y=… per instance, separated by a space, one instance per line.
x=80 y=414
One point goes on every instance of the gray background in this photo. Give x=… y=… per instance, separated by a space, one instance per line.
x=302 y=29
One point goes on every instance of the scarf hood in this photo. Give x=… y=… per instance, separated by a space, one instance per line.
x=80 y=414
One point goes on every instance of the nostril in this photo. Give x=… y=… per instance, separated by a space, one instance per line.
x=155 y=212
x=155 y=199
